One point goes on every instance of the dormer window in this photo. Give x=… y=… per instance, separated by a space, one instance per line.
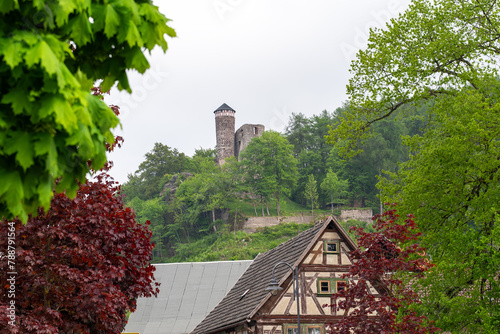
x=332 y=247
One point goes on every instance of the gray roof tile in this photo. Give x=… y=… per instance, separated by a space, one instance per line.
x=224 y=107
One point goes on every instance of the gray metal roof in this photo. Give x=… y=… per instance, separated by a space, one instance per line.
x=188 y=292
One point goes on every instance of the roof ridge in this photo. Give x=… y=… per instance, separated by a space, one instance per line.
x=193 y=262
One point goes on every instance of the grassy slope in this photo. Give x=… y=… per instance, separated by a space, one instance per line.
x=227 y=245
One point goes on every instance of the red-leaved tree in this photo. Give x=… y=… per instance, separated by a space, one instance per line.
x=78 y=267
x=382 y=260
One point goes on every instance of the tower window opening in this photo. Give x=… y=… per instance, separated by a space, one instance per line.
x=255 y=130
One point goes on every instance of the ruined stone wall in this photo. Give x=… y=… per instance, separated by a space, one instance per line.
x=363 y=215
x=224 y=132
x=244 y=135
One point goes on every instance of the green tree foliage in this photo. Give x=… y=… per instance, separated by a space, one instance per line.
x=145 y=182
x=451 y=182
x=381 y=152
x=335 y=187
x=51 y=53
x=200 y=200
x=155 y=211
x=311 y=193
x=441 y=54
x=203 y=160
x=270 y=166
x=310 y=148
x=432 y=49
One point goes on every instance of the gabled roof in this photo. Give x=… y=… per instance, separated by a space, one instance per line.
x=188 y=292
x=237 y=307
x=224 y=107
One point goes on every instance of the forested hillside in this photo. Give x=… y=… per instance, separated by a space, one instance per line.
x=192 y=199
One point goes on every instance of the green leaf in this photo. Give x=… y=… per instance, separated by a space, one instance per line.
x=64 y=8
x=83 y=140
x=3 y=125
x=80 y=29
x=46 y=145
x=85 y=83
x=21 y=143
x=123 y=83
x=39 y=4
x=42 y=53
x=112 y=21
x=64 y=114
x=45 y=191
x=8 y=5
x=136 y=59
x=18 y=98
x=107 y=83
x=133 y=36
x=11 y=191
x=11 y=52
x=66 y=80
x=104 y=117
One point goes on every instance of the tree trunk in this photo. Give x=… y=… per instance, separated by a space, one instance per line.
x=235 y=217
x=277 y=205
x=380 y=193
x=267 y=208
x=255 y=208
x=331 y=202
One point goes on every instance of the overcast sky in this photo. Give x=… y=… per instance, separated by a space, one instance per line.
x=266 y=59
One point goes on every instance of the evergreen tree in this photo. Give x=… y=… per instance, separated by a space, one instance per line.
x=311 y=193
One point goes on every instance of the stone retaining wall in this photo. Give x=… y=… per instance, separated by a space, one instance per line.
x=252 y=223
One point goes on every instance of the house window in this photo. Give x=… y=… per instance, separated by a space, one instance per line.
x=329 y=286
x=291 y=329
x=315 y=329
x=341 y=285
x=324 y=286
x=255 y=130
x=331 y=247
x=306 y=329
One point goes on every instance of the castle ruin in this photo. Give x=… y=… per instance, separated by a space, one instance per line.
x=229 y=142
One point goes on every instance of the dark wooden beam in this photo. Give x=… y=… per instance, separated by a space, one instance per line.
x=324 y=268
x=290 y=319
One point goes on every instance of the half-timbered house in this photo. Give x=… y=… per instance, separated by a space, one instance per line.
x=321 y=256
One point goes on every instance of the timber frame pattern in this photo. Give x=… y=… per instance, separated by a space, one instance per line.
x=256 y=311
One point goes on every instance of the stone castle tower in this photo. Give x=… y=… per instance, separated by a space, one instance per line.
x=229 y=142
x=224 y=132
